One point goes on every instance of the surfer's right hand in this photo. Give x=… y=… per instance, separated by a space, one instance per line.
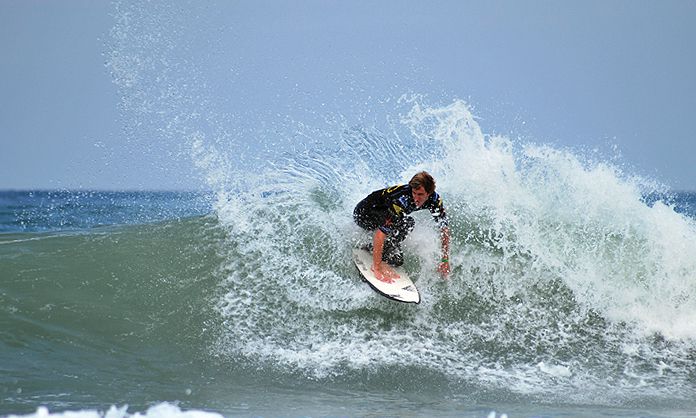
x=384 y=273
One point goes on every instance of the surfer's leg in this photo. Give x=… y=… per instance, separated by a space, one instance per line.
x=402 y=228
x=393 y=254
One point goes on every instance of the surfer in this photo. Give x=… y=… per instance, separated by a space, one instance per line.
x=386 y=212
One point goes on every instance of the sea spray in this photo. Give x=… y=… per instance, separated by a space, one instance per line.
x=585 y=222
x=557 y=264
x=567 y=285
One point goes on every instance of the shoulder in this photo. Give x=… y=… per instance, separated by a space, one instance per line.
x=435 y=198
x=434 y=203
x=397 y=190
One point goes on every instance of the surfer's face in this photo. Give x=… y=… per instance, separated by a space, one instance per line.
x=419 y=196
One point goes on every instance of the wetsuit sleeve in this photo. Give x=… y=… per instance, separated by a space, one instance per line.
x=394 y=210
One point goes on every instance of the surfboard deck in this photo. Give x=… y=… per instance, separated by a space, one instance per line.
x=401 y=290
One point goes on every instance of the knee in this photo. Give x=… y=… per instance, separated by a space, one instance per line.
x=409 y=223
x=402 y=229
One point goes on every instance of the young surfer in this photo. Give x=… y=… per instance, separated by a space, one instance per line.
x=385 y=212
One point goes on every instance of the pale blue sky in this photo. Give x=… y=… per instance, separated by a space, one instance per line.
x=584 y=75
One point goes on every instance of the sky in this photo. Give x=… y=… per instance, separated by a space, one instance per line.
x=614 y=76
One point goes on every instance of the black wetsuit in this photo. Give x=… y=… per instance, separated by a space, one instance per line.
x=387 y=209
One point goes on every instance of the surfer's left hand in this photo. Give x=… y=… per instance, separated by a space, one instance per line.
x=444 y=269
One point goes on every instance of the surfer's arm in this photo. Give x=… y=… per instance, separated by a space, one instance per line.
x=440 y=218
x=377 y=249
x=444 y=266
x=382 y=271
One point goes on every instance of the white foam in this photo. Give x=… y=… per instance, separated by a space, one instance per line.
x=555 y=369
x=162 y=410
x=585 y=222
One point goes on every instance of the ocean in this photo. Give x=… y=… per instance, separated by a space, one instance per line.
x=573 y=290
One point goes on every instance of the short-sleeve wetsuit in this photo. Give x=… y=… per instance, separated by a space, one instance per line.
x=387 y=209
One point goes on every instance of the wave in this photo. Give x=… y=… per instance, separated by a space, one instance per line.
x=97 y=311
x=569 y=283
x=564 y=275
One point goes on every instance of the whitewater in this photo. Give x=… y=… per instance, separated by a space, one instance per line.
x=572 y=291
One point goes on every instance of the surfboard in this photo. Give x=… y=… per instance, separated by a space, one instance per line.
x=401 y=290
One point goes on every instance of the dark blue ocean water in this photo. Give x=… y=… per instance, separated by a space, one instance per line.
x=36 y=211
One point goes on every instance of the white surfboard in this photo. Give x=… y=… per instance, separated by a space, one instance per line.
x=402 y=289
